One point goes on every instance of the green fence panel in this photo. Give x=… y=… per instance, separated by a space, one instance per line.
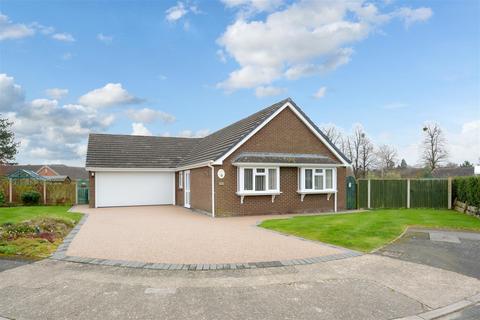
x=362 y=194
x=82 y=191
x=429 y=193
x=388 y=193
x=351 y=193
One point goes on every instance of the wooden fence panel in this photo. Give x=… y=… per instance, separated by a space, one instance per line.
x=362 y=190
x=429 y=193
x=61 y=193
x=388 y=193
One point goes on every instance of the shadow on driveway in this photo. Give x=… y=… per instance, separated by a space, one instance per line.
x=6 y=263
x=449 y=250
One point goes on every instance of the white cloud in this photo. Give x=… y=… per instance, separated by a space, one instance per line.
x=47 y=130
x=176 y=12
x=10 y=30
x=301 y=39
x=104 y=38
x=65 y=37
x=56 y=93
x=253 y=6
x=268 y=91
x=197 y=134
x=320 y=93
x=148 y=115
x=10 y=93
x=67 y=56
x=138 y=129
x=109 y=95
x=465 y=145
x=411 y=16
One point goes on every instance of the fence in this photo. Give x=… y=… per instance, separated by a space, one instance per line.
x=51 y=193
x=404 y=193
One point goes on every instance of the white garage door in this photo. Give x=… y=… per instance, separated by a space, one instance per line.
x=115 y=189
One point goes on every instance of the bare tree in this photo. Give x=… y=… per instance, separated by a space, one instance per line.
x=360 y=151
x=333 y=134
x=387 y=158
x=434 y=146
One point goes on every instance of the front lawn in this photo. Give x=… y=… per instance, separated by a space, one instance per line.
x=370 y=230
x=34 y=232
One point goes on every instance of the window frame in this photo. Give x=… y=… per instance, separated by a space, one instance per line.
x=180 y=180
x=302 y=181
x=241 y=180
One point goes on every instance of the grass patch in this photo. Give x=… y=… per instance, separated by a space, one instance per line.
x=370 y=230
x=34 y=232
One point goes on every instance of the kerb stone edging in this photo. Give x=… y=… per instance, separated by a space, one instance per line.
x=61 y=254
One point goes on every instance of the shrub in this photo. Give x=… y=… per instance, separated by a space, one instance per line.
x=30 y=197
x=2 y=198
x=467 y=189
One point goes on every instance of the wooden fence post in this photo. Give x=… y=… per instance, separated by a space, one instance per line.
x=368 y=196
x=10 y=196
x=449 y=193
x=44 y=192
x=408 y=193
x=76 y=192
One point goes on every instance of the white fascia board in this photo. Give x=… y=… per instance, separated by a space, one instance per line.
x=99 y=169
x=301 y=117
x=193 y=166
x=299 y=165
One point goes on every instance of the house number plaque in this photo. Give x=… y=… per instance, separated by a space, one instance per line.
x=221 y=173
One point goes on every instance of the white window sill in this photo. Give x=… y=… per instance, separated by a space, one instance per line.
x=316 y=191
x=258 y=193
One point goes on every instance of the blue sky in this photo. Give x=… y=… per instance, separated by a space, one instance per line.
x=188 y=68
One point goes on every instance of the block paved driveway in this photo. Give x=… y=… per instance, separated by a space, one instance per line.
x=172 y=234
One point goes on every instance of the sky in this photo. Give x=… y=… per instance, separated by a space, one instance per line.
x=188 y=68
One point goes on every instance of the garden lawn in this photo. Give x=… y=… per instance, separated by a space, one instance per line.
x=30 y=245
x=369 y=230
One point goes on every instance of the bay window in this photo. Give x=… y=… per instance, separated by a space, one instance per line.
x=317 y=180
x=259 y=180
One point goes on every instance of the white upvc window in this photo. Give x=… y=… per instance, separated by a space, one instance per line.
x=180 y=180
x=256 y=180
x=317 y=180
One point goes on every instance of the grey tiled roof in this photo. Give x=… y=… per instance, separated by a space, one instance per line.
x=453 y=172
x=125 y=151
x=73 y=173
x=268 y=157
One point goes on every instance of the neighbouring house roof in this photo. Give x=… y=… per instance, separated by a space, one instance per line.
x=268 y=157
x=453 y=172
x=74 y=173
x=126 y=151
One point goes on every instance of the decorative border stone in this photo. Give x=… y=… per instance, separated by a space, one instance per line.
x=61 y=254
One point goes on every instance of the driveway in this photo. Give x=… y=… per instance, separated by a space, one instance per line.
x=171 y=234
x=364 y=287
x=450 y=250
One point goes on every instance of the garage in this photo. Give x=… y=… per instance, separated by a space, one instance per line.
x=116 y=189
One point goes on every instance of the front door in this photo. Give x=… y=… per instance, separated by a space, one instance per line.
x=186 y=188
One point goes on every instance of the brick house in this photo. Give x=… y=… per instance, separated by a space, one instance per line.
x=274 y=161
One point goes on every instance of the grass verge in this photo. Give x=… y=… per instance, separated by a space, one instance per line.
x=369 y=230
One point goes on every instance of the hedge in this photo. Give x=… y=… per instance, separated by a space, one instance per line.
x=30 y=197
x=467 y=189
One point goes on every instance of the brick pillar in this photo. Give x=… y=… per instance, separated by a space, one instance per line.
x=91 y=189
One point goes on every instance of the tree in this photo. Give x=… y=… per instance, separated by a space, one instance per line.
x=387 y=158
x=333 y=134
x=434 y=146
x=403 y=164
x=466 y=163
x=8 y=146
x=360 y=151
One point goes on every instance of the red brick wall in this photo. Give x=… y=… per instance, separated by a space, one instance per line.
x=91 y=190
x=200 y=189
x=285 y=133
x=46 y=172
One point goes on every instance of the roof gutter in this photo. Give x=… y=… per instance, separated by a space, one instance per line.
x=213 y=187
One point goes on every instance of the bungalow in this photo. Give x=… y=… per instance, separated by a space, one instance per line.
x=274 y=161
